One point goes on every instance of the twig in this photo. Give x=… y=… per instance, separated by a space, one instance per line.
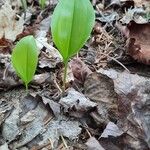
x=52 y=145
x=64 y=142
x=116 y=61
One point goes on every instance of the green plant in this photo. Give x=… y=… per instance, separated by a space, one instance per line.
x=25 y=58
x=42 y=3
x=24 y=5
x=71 y=25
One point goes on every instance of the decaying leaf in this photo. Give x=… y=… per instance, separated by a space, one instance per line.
x=138 y=36
x=50 y=58
x=111 y=130
x=100 y=88
x=40 y=78
x=141 y=108
x=32 y=117
x=139 y=3
x=138 y=15
x=138 y=43
x=80 y=70
x=10 y=26
x=53 y=105
x=10 y=128
x=4 y=147
x=93 y=144
x=133 y=107
x=8 y=78
x=5 y=109
x=76 y=103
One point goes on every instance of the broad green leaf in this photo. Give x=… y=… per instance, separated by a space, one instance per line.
x=25 y=58
x=71 y=25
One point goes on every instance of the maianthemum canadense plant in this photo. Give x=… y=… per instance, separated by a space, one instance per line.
x=24 y=4
x=72 y=23
x=42 y=3
x=25 y=58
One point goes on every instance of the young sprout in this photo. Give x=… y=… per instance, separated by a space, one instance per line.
x=24 y=5
x=42 y=3
x=71 y=25
x=25 y=58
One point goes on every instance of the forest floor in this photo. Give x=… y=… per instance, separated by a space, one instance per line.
x=106 y=105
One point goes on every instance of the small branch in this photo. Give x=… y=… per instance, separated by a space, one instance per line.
x=64 y=142
x=116 y=61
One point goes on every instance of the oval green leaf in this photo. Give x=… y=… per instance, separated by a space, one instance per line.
x=71 y=25
x=25 y=58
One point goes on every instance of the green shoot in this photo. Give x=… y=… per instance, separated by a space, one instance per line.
x=24 y=5
x=25 y=58
x=42 y=3
x=71 y=25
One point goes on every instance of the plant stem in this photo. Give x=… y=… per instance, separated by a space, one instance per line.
x=24 y=5
x=26 y=88
x=65 y=75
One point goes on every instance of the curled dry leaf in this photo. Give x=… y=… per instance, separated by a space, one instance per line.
x=50 y=58
x=138 y=36
x=80 y=70
x=55 y=107
x=138 y=43
x=10 y=26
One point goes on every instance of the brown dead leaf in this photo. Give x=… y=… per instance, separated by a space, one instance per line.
x=133 y=107
x=100 y=88
x=138 y=36
x=138 y=43
x=80 y=70
x=5 y=45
